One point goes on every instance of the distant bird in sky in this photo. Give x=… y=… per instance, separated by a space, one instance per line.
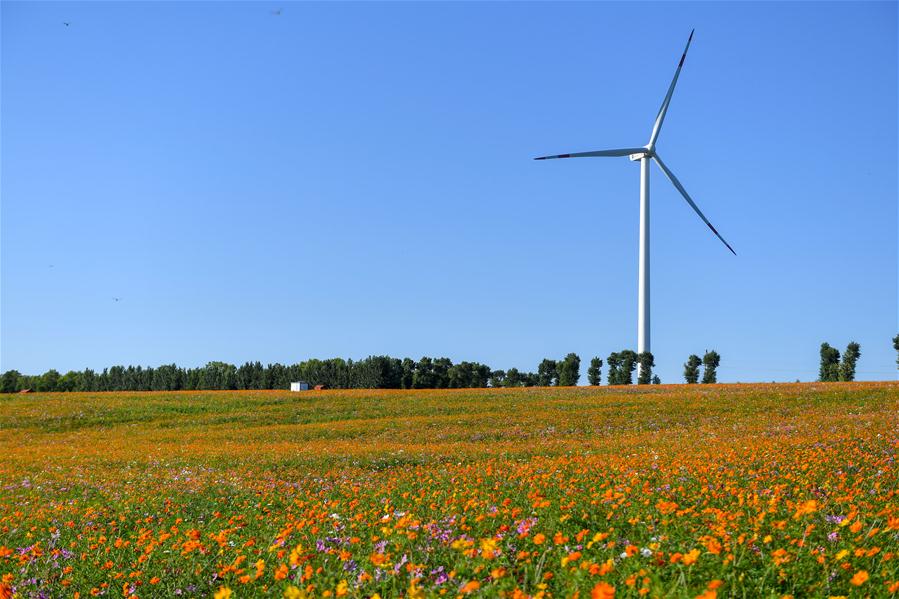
x=277 y=12
x=117 y=299
x=66 y=23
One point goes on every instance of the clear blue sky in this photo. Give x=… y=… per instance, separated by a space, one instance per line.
x=352 y=179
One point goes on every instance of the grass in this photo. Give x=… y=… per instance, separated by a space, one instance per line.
x=665 y=491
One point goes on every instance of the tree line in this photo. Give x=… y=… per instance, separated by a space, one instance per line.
x=373 y=372
x=385 y=372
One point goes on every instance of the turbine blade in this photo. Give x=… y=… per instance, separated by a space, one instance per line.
x=619 y=152
x=657 y=127
x=693 y=205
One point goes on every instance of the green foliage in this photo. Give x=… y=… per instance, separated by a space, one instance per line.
x=850 y=359
x=515 y=378
x=547 y=373
x=896 y=347
x=408 y=373
x=9 y=382
x=691 y=369
x=48 y=381
x=710 y=362
x=621 y=367
x=569 y=370
x=614 y=364
x=646 y=362
x=498 y=378
x=594 y=372
x=829 y=370
x=628 y=365
x=656 y=380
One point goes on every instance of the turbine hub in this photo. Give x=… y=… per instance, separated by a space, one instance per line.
x=640 y=155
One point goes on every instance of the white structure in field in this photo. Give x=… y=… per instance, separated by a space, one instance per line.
x=299 y=386
x=644 y=155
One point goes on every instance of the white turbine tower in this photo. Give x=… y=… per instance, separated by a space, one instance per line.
x=644 y=155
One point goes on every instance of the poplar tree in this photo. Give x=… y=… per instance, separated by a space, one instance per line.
x=710 y=362
x=829 y=369
x=628 y=365
x=646 y=362
x=547 y=373
x=691 y=369
x=614 y=364
x=594 y=372
x=850 y=358
x=569 y=370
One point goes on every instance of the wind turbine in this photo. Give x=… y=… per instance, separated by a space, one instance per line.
x=644 y=155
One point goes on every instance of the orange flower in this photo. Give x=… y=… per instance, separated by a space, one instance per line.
x=860 y=578
x=690 y=558
x=471 y=587
x=806 y=507
x=539 y=538
x=602 y=590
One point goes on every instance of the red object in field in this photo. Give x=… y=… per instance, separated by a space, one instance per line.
x=25 y=391
x=320 y=387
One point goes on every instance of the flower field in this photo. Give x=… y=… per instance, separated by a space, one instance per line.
x=662 y=491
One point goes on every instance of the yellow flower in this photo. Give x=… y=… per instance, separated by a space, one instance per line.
x=341 y=588
x=223 y=593
x=415 y=592
x=488 y=548
x=293 y=592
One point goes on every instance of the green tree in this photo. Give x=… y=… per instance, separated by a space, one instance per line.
x=710 y=362
x=48 y=381
x=9 y=382
x=569 y=370
x=423 y=378
x=513 y=378
x=691 y=369
x=547 y=373
x=614 y=364
x=408 y=373
x=441 y=372
x=646 y=362
x=656 y=380
x=628 y=365
x=594 y=372
x=850 y=359
x=497 y=378
x=829 y=369
x=896 y=347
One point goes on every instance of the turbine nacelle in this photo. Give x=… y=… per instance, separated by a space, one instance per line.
x=640 y=155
